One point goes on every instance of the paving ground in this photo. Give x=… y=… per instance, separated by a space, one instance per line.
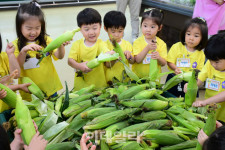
x=59 y=20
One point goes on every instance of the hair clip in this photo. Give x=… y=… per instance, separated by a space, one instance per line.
x=36 y=4
x=201 y=18
x=148 y=9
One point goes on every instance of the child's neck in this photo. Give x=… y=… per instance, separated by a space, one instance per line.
x=190 y=49
x=149 y=40
x=89 y=43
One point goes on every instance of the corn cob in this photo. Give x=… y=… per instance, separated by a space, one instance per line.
x=91 y=114
x=109 y=118
x=173 y=81
x=80 y=99
x=103 y=145
x=148 y=104
x=10 y=98
x=38 y=120
x=76 y=108
x=118 y=50
x=54 y=130
x=85 y=90
x=153 y=70
x=152 y=115
x=146 y=94
x=210 y=124
x=192 y=89
x=24 y=121
x=49 y=121
x=33 y=113
x=160 y=97
x=67 y=36
x=72 y=95
x=130 y=73
x=61 y=146
x=129 y=145
x=130 y=92
x=58 y=104
x=184 y=131
x=162 y=137
x=50 y=104
x=181 y=146
x=33 y=88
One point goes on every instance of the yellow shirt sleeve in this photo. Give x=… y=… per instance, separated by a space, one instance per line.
x=172 y=54
x=74 y=50
x=203 y=75
x=161 y=48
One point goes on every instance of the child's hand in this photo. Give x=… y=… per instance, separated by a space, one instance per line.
x=3 y=94
x=24 y=87
x=83 y=142
x=202 y=137
x=17 y=143
x=220 y=2
x=111 y=52
x=177 y=71
x=218 y=124
x=31 y=47
x=83 y=67
x=155 y=55
x=66 y=43
x=199 y=103
x=10 y=48
x=37 y=143
x=128 y=55
x=152 y=46
x=185 y=87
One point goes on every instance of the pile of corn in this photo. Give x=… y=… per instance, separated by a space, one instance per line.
x=121 y=117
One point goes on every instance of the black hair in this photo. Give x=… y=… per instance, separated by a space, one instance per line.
x=0 y=43
x=88 y=16
x=202 y=25
x=216 y=140
x=23 y=13
x=4 y=139
x=114 y=19
x=215 y=48
x=155 y=14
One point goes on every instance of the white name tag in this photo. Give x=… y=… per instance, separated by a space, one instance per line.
x=31 y=63
x=147 y=59
x=212 y=84
x=183 y=62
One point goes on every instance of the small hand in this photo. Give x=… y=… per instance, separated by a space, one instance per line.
x=220 y=2
x=83 y=142
x=185 y=87
x=155 y=55
x=128 y=55
x=111 y=52
x=31 y=47
x=17 y=143
x=3 y=94
x=84 y=68
x=24 y=87
x=66 y=43
x=202 y=137
x=177 y=71
x=218 y=124
x=37 y=143
x=10 y=48
x=199 y=103
x=152 y=46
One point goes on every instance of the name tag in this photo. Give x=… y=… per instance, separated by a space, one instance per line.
x=212 y=84
x=183 y=62
x=31 y=63
x=147 y=59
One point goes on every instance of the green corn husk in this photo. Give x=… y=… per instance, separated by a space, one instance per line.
x=34 y=113
x=49 y=121
x=24 y=121
x=61 y=146
x=102 y=58
x=192 y=89
x=80 y=98
x=10 y=98
x=153 y=70
x=130 y=73
x=181 y=146
x=56 y=43
x=146 y=94
x=85 y=90
x=149 y=116
x=118 y=50
x=91 y=114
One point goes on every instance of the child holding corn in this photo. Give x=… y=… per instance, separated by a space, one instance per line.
x=188 y=53
x=30 y=28
x=149 y=46
x=114 y=25
x=86 y=49
x=213 y=73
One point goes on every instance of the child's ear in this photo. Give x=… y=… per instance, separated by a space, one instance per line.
x=160 y=28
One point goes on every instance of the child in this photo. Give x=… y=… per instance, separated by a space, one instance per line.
x=30 y=28
x=86 y=49
x=149 y=46
x=114 y=25
x=9 y=68
x=188 y=53
x=214 y=74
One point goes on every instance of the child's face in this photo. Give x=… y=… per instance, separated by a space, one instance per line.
x=91 y=32
x=116 y=33
x=219 y=64
x=31 y=28
x=192 y=37
x=149 y=28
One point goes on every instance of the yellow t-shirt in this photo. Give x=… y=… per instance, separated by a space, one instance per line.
x=117 y=69
x=4 y=70
x=81 y=53
x=178 y=50
x=141 y=69
x=209 y=71
x=44 y=76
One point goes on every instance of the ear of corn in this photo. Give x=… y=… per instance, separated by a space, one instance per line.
x=129 y=72
x=24 y=121
x=173 y=81
x=130 y=92
x=10 y=98
x=149 y=116
x=90 y=114
x=33 y=88
x=192 y=89
x=58 y=104
x=85 y=90
x=67 y=36
x=61 y=146
x=80 y=99
x=49 y=121
x=33 y=113
x=146 y=94
x=181 y=146
x=119 y=50
x=153 y=70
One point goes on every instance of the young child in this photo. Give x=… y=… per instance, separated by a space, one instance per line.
x=30 y=28
x=214 y=74
x=86 y=49
x=149 y=46
x=188 y=53
x=114 y=25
